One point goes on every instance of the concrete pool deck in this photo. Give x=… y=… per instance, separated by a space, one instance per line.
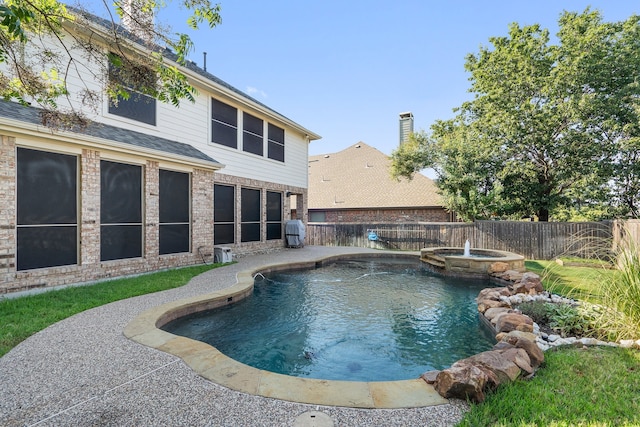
x=84 y=371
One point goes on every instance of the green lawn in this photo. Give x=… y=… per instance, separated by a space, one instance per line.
x=590 y=387
x=24 y=316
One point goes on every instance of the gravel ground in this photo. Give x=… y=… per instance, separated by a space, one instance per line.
x=82 y=371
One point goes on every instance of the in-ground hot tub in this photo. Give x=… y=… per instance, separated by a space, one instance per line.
x=453 y=261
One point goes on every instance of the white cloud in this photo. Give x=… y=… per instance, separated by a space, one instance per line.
x=256 y=92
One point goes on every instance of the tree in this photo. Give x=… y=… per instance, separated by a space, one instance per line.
x=39 y=56
x=544 y=117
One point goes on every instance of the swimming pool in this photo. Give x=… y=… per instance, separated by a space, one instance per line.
x=356 y=320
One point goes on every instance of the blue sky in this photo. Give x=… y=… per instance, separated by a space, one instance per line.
x=346 y=69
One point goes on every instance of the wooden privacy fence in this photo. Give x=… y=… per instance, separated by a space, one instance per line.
x=534 y=240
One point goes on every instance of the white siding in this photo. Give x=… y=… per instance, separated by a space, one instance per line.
x=191 y=123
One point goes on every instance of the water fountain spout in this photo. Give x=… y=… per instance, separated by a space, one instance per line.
x=467 y=248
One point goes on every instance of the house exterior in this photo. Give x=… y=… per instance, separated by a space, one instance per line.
x=145 y=186
x=354 y=185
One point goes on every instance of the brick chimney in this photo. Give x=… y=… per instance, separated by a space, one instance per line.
x=406 y=126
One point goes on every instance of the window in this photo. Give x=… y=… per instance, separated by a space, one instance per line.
x=252 y=134
x=47 y=209
x=120 y=211
x=224 y=214
x=276 y=143
x=317 y=216
x=251 y=212
x=274 y=215
x=136 y=79
x=175 y=224
x=224 y=124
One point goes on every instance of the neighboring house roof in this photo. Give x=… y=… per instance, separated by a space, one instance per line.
x=358 y=177
x=137 y=140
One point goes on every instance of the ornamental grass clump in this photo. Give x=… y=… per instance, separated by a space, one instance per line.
x=620 y=295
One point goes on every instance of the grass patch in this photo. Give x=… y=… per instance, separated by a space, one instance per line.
x=24 y=316
x=590 y=387
x=577 y=282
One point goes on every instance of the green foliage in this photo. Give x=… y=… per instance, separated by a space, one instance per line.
x=552 y=129
x=538 y=311
x=41 y=76
x=22 y=317
x=589 y=387
x=620 y=295
x=569 y=320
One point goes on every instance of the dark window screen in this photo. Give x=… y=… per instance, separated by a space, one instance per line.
x=250 y=205
x=120 y=242
x=174 y=238
x=252 y=135
x=224 y=233
x=274 y=215
x=224 y=214
x=136 y=79
x=139 y=107
x=174 y=196
x=251 y=212
x=47 y=228
x=40 y=247
x=120 y=210
x=120 y=193
x=46 y=190
x=276 y=143
x=175 y=230
x=224 y=124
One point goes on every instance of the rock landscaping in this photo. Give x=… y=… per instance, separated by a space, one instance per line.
x=521 y=343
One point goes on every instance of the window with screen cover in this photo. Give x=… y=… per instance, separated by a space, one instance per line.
x=252 y=134
x=275 y=143
x=175 y=221
x=224 y=214
x=224 y=124
x=47 y=209
x=120 y=211
x=138 y=81
x=274 y=215
x=251 y=213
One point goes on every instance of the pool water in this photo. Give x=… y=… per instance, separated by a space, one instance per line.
x=356 y=320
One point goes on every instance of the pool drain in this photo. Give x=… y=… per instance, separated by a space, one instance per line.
x=313 y=419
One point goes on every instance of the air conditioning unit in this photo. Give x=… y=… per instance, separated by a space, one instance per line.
x=222 y=254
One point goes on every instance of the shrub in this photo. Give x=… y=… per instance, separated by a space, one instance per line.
x=536 y=310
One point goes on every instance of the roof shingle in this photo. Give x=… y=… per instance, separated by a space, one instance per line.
x=358 y=177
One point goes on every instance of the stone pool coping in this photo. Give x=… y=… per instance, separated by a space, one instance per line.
x=213 y=365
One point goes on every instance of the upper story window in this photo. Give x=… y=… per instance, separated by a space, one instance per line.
x=224 y=124
x=137 y=80
x=252 y=134
x=276 y=143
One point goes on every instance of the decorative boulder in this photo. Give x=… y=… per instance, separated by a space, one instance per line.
x=520 y=358
x=504 y=369
x=498 y=267
x=486 y=304
x=529 y=284
x=536 y=355
x=464 y=381
x=492 y=313
x=514 y=322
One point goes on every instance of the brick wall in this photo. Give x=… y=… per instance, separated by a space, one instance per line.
x=89 y=267
x=264 y=245
x=387 y=215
